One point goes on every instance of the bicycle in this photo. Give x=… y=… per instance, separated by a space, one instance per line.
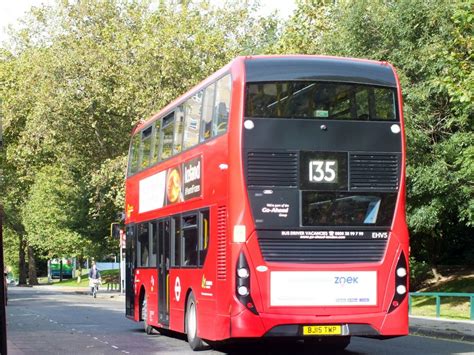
x=94 y=285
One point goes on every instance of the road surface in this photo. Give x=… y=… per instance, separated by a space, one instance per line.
x=44 y=321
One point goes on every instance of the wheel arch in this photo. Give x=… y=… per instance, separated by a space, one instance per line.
x=141 y=298
x=188 y=293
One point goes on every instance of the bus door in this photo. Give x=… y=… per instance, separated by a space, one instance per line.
x=163 y=271
x=130 y=262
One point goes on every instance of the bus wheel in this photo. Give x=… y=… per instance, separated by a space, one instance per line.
x=194 y=341
x=148 y=328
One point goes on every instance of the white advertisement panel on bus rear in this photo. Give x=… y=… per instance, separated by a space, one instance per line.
x=323 y=288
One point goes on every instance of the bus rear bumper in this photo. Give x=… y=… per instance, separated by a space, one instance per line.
x=374 y=325
x=294 y=331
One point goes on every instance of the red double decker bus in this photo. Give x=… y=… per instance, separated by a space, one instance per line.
x=269 y=202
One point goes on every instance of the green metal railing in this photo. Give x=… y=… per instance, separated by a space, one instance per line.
x=438 y=296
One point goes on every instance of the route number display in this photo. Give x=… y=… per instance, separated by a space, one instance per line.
x=323 y=171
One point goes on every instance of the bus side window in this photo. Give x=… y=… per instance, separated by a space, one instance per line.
x=207 y=112
x=203 y=236
x=130 y=247
x=145 y=147
x=178 y=130
x=134 y=154
x=222 y=105
x=190 y=240
x=143 y=244
x=192 y=120
x=155 y=155
x=153 y=243
x=176 y=249
x=164 y=231
x=167 y=133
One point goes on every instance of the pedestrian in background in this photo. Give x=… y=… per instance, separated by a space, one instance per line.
x=94 y=279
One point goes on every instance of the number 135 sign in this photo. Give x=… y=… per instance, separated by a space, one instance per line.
x=323 y=171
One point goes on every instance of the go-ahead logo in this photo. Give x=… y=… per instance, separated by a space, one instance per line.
x=346 y=280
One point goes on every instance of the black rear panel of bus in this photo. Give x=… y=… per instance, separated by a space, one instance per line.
x=322 y=151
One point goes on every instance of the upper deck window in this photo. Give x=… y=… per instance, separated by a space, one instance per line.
x=134 y=158
x=167 y=133
x=321 y=100
x=146 y=147
x=222 y=105
x=193 y=108
x=157 y=143
x=202 y=116
x=178 y=130
x=216 y=107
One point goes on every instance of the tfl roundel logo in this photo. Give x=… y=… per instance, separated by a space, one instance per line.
x=177 y=289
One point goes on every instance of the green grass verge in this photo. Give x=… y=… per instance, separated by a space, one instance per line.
x=451 y=307
x=85 y=279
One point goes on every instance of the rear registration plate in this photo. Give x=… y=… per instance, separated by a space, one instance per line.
x=322 y=330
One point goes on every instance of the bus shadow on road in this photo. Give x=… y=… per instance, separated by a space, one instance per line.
x=274 y=347
x=261 y=347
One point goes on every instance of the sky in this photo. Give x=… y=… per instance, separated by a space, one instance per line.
x=12 y=10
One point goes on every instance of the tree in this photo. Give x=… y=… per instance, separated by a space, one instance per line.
x=430 y=44
x=77 y=76
x=10 y=248
x=51 y=213
x=304 y=31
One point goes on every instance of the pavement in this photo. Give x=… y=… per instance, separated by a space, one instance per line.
x=102 y=293
x=458 y=330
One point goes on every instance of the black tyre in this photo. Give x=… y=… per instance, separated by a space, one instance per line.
x=191 y=325
x=148 y=328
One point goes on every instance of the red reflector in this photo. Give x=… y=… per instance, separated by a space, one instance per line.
x=250 y=305
x=395 y=303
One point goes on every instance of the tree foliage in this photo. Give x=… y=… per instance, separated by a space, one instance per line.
x=430 y=44
x=78 y=75
x=54 y=212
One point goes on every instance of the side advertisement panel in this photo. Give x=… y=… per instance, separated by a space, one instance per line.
x=177 y=184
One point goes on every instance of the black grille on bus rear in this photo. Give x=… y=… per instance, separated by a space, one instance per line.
x=374 y=171
x=321 y=251
x=272 y=169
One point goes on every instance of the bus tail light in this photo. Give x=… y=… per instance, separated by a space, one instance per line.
x=401 y=283
x=243 y=284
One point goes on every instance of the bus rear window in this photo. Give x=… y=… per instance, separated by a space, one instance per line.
x=322 y=100
x=347 y=209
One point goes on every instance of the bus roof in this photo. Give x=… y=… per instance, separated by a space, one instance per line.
x=319 y=68
x=264 y=68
